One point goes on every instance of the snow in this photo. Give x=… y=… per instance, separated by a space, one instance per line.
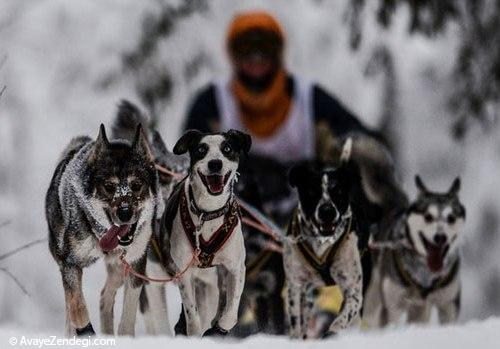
x=62 y=54
x=465 y=336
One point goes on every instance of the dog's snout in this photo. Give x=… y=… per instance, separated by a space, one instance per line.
x=327 y=213
x=215 y=165
x=440 y=239
x=124 y=212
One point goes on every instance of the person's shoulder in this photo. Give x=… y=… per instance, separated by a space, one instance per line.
x=321 y=93
x=326 y=103
x=206 y=92
x=203 y=109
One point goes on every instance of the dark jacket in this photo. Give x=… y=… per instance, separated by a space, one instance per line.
x=204 y=112
x=264 y=179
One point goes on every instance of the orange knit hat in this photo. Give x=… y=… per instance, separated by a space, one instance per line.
x=253 y=20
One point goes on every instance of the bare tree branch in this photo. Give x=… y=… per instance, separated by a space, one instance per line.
x=21 y=248
x=18 y=283
x=3 y=90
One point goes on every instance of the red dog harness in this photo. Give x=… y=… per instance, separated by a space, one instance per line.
x=208 y=249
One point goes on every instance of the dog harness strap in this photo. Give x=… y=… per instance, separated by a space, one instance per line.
x=209 y=248
x=171 y=209
x=156 y=250
x=409 y=281
x=257 y=263
x=204 y=215
x=323 y=263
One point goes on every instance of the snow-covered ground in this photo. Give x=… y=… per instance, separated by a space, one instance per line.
x=471 y=335
x=61 y=55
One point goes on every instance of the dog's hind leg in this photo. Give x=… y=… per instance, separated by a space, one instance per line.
x=77 y=313
x=235 y=281
x=156 y=311
x=114 y=281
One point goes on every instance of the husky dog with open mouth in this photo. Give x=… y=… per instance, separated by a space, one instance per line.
x=420 y=267
x=124 y=125
x=101 y=202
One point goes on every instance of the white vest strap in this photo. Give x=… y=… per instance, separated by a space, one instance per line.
x=293 y=141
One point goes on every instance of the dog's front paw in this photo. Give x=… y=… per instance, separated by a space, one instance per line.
x=85 y=331
x=215 y=331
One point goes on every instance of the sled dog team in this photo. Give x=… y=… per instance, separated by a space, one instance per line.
x=108 y=199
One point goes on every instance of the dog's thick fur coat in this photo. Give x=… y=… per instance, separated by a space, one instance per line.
x=100 y=187
x=420 y=267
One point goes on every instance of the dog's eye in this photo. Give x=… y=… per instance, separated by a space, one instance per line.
x=136 y=186
x=201 y=150
x=109 y=188
x=428 y=218
x=451 y=219
x=227 y=149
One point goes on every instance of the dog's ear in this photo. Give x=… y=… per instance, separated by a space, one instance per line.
x=455 y=187
x=298 y=174
x=158 y=144
x=420 y=185
x=141 y=144
x=345 y=155
x=241 y=140
x=102 y=139
x=188 y=139
x=100 y=145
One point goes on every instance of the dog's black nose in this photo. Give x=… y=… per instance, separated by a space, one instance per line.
x=327 y=213
x=124 y=213
x=215 y=165
x=440 y=239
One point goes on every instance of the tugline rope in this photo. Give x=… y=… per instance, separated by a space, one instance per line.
x=127 y=268
x=253 y=222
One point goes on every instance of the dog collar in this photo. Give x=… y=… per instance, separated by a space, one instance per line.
x=208 y=215
x=207 y=249
x=409 y=281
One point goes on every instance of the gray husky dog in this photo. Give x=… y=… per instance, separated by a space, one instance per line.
x=153 y=304
x=102 y=202
x=419 y=268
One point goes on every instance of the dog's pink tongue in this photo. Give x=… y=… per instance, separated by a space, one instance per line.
x=435 y=257
x=109 y=241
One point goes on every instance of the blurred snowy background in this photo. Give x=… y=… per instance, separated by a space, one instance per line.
x=66 y=64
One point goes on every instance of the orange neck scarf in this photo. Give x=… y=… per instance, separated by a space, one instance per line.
x=264 y=112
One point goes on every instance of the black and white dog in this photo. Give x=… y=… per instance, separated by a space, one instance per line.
x=203 y=215
x=321 y=249
x=419 y=269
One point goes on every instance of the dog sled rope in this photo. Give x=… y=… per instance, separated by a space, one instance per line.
x=168 y=172
x=128 y=269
